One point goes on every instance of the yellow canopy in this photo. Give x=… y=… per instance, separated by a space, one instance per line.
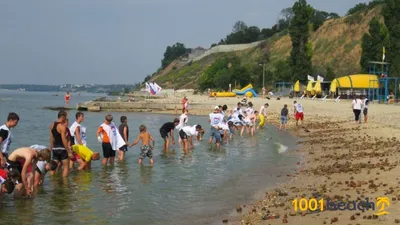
x=317 y=87
x=296 y=87
x=363 y=81
x=333 y=86
x=309 y=86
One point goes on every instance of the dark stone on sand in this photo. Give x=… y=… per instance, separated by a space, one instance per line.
x=352 y=217
x=225 y=220
x=396 y=221
x=334 y=220
x=239 y=209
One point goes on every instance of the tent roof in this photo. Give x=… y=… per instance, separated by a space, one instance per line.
x=357 y=81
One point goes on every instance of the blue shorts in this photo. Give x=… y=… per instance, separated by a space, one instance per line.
x=283 y=119
x=215 y=134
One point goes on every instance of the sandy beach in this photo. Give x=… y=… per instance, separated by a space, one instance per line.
x=341 y=162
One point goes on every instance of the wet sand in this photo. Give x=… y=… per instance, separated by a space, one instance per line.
x=341 y=161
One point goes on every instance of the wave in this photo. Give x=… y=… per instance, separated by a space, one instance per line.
x=281 y=148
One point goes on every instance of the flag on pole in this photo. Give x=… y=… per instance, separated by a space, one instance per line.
x=147 y=87
x=311 y=78
x=320 y=78
x=157 y=88
x=383 y=53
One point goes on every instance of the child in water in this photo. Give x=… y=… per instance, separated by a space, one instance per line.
x=146 y=149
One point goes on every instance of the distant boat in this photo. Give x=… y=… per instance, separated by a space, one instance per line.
x=54 y=94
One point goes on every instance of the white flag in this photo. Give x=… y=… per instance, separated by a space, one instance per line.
x=310 y=77
x=147 y=87
x=320 y=78
x=158 y=88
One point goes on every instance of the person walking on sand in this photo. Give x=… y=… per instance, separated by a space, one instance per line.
x=124 y=131
x=365 y=110
x=357 y=106
x=6 y=137
x=298 y=112
x=147 y=149
x=284 y=117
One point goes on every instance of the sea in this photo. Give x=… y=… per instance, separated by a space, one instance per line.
x=199 y=188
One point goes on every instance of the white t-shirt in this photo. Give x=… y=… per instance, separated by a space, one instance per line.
x=183 y=119
x=357 y=104
x=299 y=107
x=190 y=130
x=263 y=110
x=249 y=110
x=82 y=131
x=365 y=104
x=5 y=144
x=216 y=119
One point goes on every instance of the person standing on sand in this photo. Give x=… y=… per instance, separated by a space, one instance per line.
x=284 y=117
x=365 y=110
x=124 y=131
x=357 y=106
x=298 y=112
x=6 y=137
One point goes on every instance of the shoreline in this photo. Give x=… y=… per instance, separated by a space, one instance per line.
x=340 y=161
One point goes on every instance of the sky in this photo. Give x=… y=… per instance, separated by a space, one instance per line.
x=118 y=41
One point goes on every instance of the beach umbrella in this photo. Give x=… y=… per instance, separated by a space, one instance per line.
x=333 y=86
x=296 y=86
x=317 y=87
x=309 y=86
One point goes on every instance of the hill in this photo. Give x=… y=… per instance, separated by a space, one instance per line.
x=336 y=45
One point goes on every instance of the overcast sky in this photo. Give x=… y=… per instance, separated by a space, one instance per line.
x=118 y=41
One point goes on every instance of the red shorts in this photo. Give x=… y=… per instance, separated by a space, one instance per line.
x=299 y=115
x=3 y=174
x=22 y=162
x=76 y=157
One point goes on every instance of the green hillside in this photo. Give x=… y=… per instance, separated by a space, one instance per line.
x=336 y=48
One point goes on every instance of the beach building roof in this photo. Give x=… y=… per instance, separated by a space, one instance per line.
x=362 y=81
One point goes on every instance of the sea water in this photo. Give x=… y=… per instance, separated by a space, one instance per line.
x=200 y=188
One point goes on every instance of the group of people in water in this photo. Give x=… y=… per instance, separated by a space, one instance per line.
x=24 y=169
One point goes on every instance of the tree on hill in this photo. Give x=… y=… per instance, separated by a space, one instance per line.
x=173 y=52
x=392 y=22
x=373 y=43
x=239 y=26
x=224 y=71
x=300 y=58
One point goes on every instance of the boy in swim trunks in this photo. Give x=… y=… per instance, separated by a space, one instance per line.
x=23 y=160
x=85 y=157
x=146 y=149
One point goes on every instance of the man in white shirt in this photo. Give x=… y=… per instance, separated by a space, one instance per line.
x=187 y=133
x=215 y=120
x=298 y=112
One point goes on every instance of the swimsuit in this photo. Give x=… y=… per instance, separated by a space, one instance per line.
x=146 y=150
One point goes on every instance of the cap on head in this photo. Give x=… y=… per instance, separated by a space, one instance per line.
x=216 y=107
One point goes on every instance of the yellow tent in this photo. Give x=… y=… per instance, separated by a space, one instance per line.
x=362 y=81
x=333 y=86
x=296 y=87
x=317 y=87
x=309 y=86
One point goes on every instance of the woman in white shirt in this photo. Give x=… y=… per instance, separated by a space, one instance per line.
x=357 y=106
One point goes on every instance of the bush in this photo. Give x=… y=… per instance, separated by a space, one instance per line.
x=354 y=19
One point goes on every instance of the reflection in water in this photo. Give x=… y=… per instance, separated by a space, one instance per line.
x=145 y=174
x=82 y=188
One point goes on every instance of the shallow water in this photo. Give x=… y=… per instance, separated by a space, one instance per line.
x=194 y=189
